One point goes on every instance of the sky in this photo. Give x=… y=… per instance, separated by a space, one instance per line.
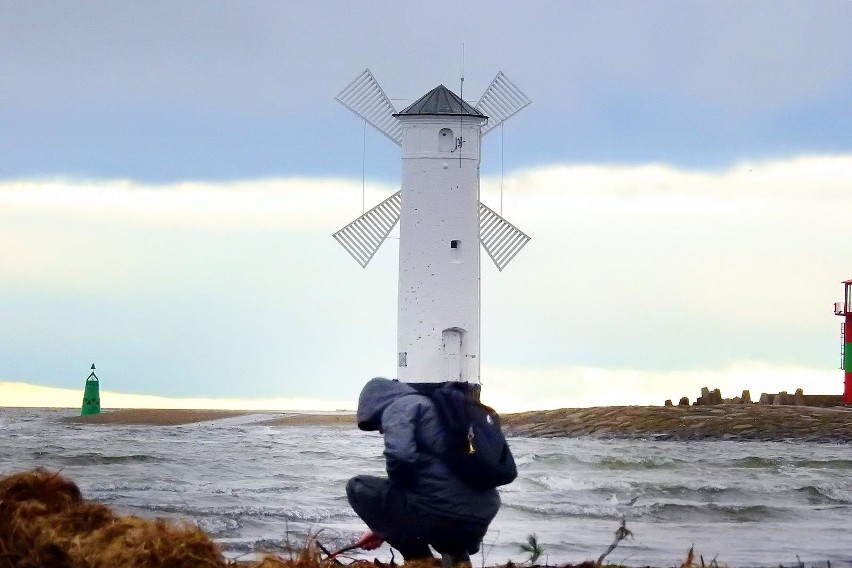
x=171 y=174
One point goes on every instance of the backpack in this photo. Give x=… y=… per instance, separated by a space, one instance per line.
x=477 y=450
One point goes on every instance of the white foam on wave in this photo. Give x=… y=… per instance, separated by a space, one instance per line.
x=572 y=483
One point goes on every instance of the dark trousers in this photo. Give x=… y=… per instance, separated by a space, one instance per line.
x=408 y=528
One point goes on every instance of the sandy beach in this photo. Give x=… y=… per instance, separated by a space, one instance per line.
x=341 y=419
x=153 y=416
x=176 y=417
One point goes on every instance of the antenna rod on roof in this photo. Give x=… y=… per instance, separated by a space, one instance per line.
x=461 y=120
x=461 y=89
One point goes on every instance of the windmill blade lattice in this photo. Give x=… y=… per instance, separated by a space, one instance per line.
x=501 y=100
x=362 y=237
x=500 y=239
x=365 y=97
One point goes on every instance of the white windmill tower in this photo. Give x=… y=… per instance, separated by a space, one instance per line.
x=441 y=221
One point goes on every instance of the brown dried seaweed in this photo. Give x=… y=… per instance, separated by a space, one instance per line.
x=45 y=522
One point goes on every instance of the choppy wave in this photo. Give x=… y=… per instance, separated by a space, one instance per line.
x=548 y=459
x=708 y=513
x=619 y=463
x=823 y=464
x=760 y=462
x=219 y=526
x=656 y=512
x=101 y=459
x=139 y=486
x=820 y=496
x=602 y=510
x=698 y=493
x=257 y=488
x=308 y=514
x=563 y=483
x=526 y=459
x=171 y=487
x=757 y=462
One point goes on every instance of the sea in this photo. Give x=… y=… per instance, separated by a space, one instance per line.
x=266 y=489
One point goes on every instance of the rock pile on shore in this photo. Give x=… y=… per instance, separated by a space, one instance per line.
x=783 y=398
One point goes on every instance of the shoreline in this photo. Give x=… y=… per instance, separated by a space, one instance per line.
x=719 y=422
x=179 y=417
x=152 y=416
x=738 y=422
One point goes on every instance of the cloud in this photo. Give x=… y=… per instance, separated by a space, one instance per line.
x=234 y=57
x=665 y=268
x=291 y=203
x=164 y=91
x=16 y=394
x=237 y=289
x=120 y=238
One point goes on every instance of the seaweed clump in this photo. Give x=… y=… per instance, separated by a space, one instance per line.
x=44 y=521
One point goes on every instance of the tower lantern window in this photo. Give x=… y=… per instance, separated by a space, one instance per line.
x=446 y=140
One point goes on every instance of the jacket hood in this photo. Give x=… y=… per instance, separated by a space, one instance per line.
x=375 y=397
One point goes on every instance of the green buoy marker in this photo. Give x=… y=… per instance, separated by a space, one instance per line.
x=92 y=395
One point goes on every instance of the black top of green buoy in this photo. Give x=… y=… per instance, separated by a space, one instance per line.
x=93 y=366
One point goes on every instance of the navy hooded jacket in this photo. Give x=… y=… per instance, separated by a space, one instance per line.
x=414 y=438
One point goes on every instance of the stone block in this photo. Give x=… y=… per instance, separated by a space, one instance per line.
x=717 y=396
x=765 y=398
x=668 y=402
x=684 y=401
x=746 y=397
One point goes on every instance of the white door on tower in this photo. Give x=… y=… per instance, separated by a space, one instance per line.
x=452 y=344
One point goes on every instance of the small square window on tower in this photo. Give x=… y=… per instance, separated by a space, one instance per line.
x=454 y=244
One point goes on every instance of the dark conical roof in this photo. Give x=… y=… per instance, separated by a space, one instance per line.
x=440 y=101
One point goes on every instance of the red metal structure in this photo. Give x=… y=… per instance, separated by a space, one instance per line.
x=844 y=309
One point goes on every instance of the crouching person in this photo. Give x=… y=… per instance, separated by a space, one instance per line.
x=421 y=502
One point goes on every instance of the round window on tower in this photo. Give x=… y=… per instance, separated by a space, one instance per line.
x=446 y=142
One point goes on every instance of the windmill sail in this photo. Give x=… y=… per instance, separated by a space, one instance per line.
x=501 y=100
x=500 y=239
x=362 y=237
x=365 y=97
